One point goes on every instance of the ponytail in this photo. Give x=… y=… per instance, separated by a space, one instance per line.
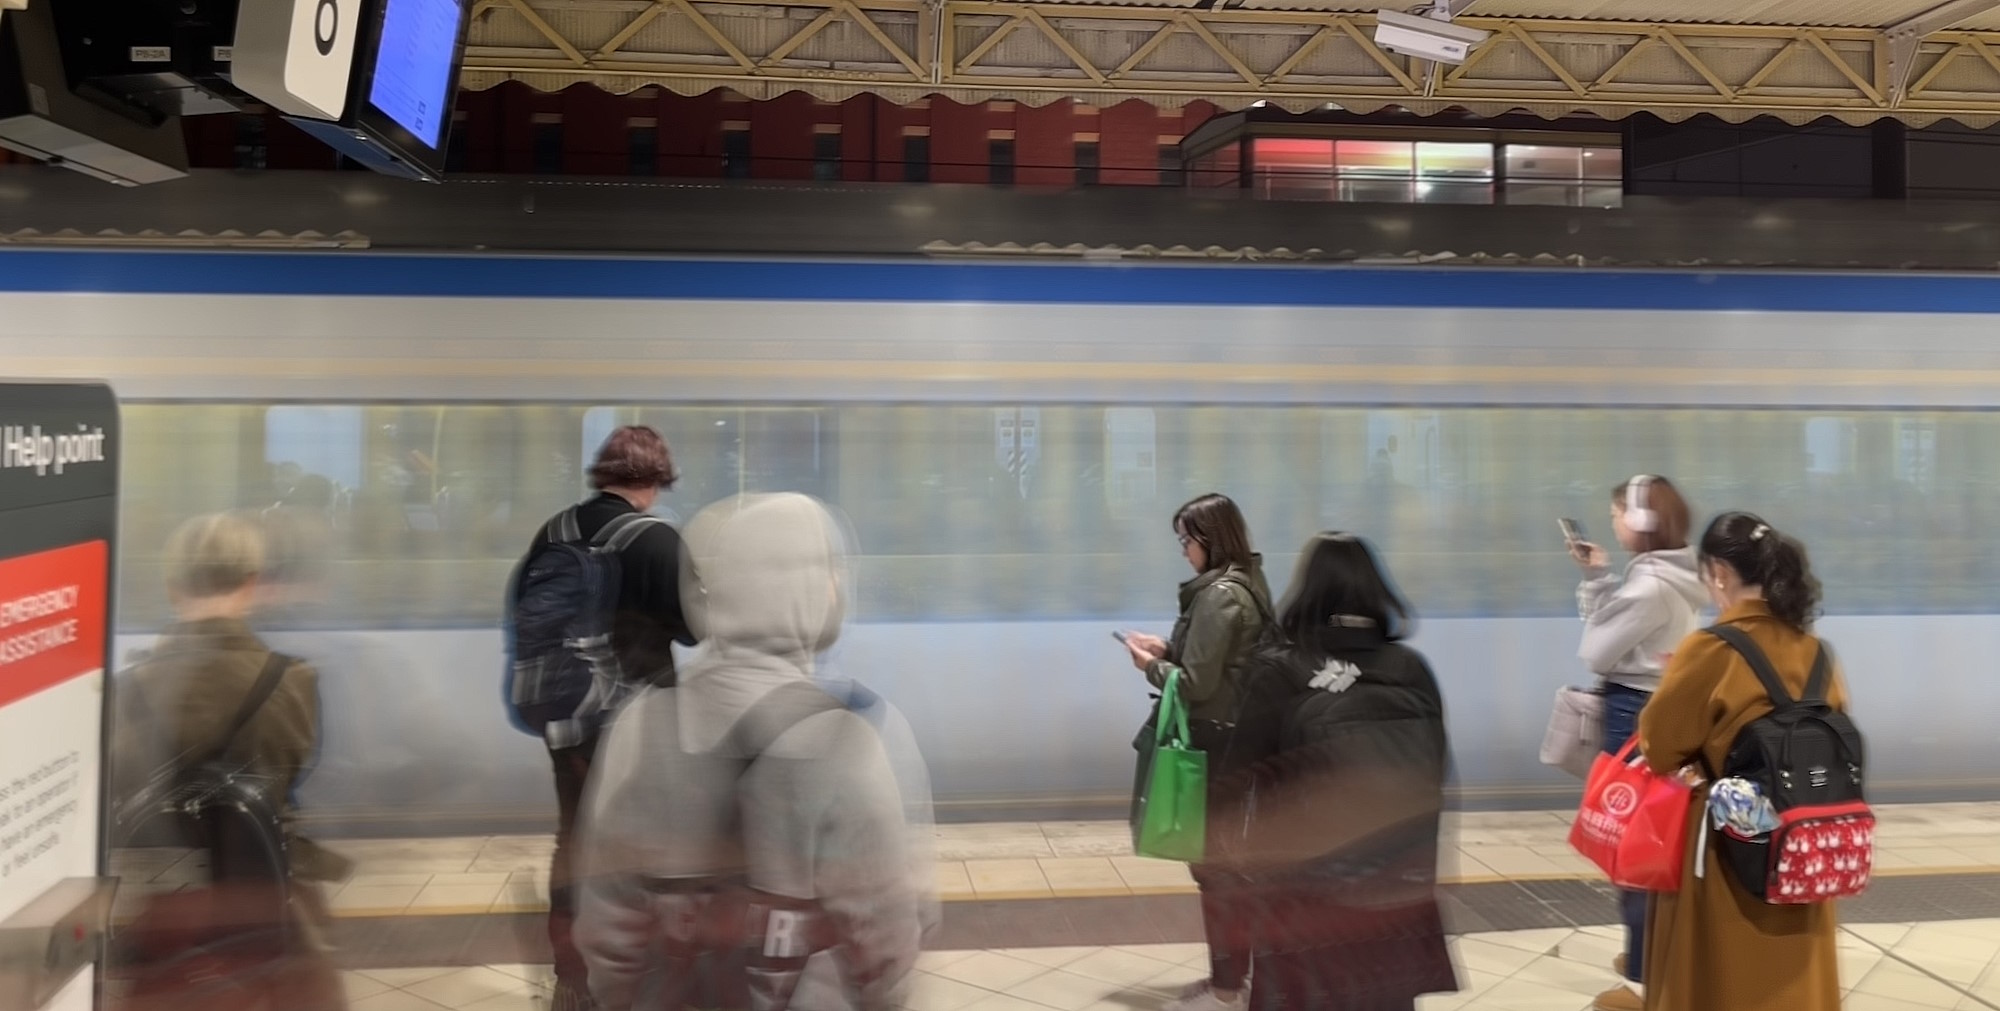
x=1789 y=585
x=1764 y=557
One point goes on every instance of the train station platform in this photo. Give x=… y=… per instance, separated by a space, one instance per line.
x=1059 y=915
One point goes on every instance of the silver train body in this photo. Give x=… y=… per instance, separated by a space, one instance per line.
x=1008 y=443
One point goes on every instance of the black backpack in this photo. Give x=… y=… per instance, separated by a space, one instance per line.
x=224 y=944
x=1806 y=757
x=562 y=676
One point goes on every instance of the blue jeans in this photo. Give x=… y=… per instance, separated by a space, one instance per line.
x=1621 y=721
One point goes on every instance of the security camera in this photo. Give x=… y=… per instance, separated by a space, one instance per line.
x=1425 y=38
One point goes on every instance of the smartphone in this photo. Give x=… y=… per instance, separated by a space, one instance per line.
x=1120 y=636
x=1572 y=530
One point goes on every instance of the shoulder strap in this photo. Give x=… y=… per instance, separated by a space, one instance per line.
x=1760 y=665
x=275 y=666
x=623 y=529
x=771 y=716
x=1822 y=672
x=1257 y=602
x=564 y=529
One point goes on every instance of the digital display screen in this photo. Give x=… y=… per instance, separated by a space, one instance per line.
x=413 y=82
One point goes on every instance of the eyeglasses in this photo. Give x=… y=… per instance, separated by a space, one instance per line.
x=1185 y=540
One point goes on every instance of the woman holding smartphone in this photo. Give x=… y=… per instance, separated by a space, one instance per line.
x=1631 y=624
x=1223 y=612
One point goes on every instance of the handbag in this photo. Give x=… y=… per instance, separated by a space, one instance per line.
x=1633 y=822
x=1576 y=731
x=1170 y=806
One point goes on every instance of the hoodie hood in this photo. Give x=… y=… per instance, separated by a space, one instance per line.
x=1677 y=569
x=764 y=589
x=1632 y=625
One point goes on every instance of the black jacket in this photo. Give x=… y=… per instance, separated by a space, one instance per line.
x=1333 y=808
x=649 y=618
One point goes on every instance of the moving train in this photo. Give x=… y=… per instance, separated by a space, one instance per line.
x=1008 y=442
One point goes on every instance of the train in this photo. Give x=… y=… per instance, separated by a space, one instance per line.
x=1008 y=442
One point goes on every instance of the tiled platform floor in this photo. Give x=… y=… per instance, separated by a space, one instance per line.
x=1029 y=860
x=1523 y=970
x=1060 y=916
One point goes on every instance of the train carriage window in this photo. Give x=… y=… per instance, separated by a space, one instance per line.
x=1034 y=511
x=316 y=442
x=1916 y=452
x=1829 y=445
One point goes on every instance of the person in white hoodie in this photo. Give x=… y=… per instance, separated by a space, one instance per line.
x=1631 y=624
x=745 y=837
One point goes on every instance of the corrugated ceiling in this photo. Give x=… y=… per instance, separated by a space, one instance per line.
x=1814 y=13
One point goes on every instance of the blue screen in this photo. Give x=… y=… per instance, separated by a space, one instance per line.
x=413 y=79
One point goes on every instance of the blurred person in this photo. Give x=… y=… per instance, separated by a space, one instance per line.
x=1224 y=610
x=297 y=538
x=899 y=743
x=632 y=468
x=1630 y=626
x=1713 y=944
x=378 y=714
x=213 y=724
x=1340 y=757
x=743 y=842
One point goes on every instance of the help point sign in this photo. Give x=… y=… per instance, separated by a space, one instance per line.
x=58 y=517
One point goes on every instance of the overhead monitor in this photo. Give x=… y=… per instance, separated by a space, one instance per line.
x=170 y=56
x=99 y=136
x=415 y=67
x=392 y=110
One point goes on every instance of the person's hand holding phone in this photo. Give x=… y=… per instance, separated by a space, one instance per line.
x=1589 y=557
x=1144 y=648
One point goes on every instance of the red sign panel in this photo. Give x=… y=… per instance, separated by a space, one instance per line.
x=51 y=618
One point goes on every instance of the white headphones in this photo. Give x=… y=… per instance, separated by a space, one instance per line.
x=1641 y=519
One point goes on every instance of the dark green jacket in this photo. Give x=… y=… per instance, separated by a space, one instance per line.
x=1223 y=614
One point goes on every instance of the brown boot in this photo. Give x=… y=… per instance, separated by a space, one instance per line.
x=1618 y=998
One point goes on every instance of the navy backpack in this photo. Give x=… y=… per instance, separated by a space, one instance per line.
x=562 y=677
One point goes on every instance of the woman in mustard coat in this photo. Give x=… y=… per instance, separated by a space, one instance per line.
x=1713 y=945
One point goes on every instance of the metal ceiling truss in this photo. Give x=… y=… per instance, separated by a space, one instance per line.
x=977 y=50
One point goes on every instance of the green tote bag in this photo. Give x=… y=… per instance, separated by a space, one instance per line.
x=1170 y=813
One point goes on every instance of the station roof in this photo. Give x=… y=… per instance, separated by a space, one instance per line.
x=1857 y=61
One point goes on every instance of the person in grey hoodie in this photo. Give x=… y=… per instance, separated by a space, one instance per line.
x=1630 y=626
x=745 y=839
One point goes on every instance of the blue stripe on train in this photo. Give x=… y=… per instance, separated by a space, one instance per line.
x=357 y=274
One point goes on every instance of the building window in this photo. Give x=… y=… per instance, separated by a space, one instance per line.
x=1564 y=175
x=455 y=146
x=917 y=159
x=1170 y=166
x=251 y=150
x=1086 y=163
x=736 y=154
x=1000 y=162
x=1430 y=172
x=548 y=145
x=1220 y=168
x=826 y=157
x=642 y=149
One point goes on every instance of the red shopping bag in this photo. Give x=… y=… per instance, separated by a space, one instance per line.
x=1633 y=822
